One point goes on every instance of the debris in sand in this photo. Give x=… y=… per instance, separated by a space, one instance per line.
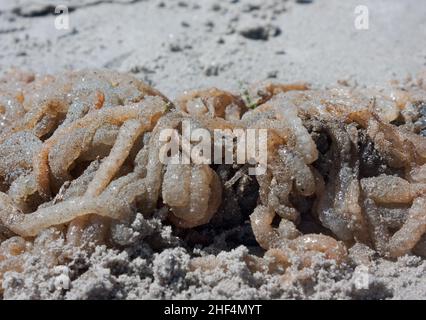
x=259 y=31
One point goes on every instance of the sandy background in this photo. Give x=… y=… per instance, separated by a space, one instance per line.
x=178 y=45
x=185 y=44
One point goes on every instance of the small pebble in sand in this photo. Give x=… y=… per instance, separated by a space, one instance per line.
x=175 y=47
x=259 y=31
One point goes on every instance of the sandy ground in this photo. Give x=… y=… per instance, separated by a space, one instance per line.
x=186 y=44
x=178 y=45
